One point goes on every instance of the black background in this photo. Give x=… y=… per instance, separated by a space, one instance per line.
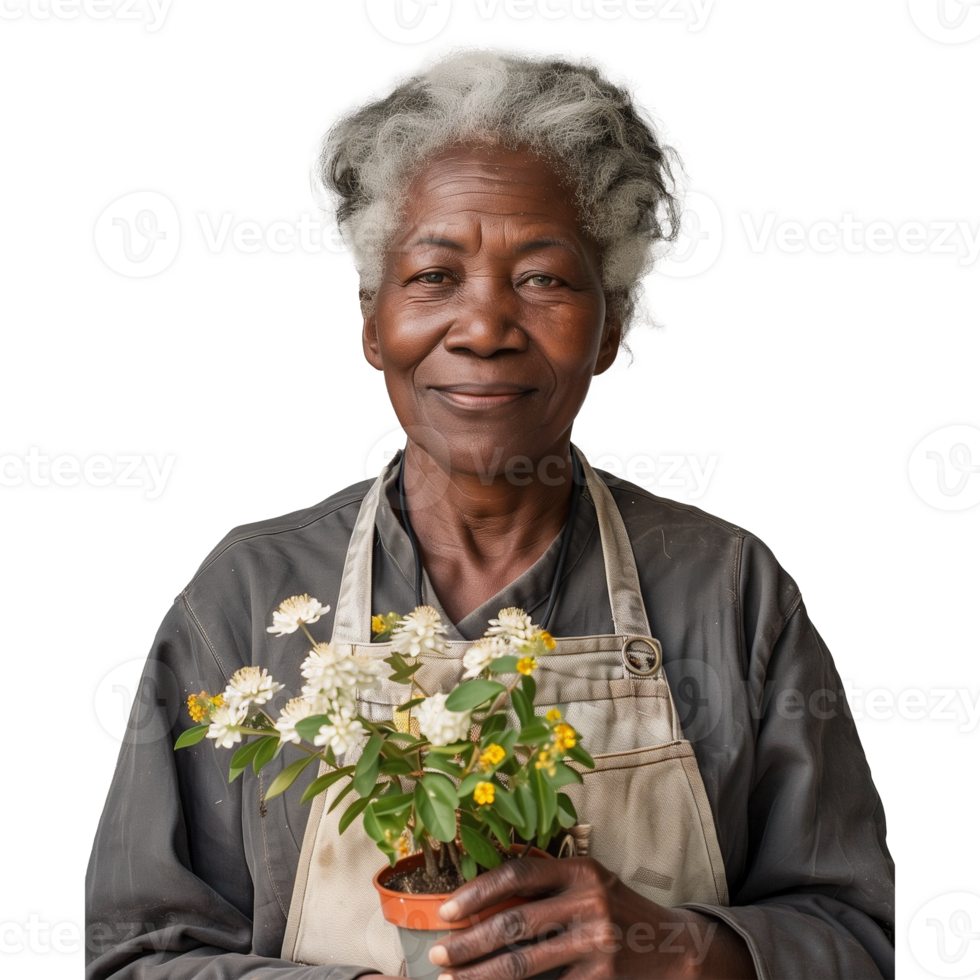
x=811 y=376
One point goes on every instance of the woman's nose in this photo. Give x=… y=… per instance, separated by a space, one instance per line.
x=487 y=318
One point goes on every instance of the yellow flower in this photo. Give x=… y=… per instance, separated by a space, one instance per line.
x=492 y=756
x=526 y=665
x=553 y=715
x=547 y=639
x=483 y=794
x=200 y=706
x=197 y=706
x=564 y=737
x=377 y=624
x=546 y=761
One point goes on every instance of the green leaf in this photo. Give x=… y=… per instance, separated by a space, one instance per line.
x=567 y=816
x=507 y=805
x=530 y=687
x=504 y=665
x=546 y=800
x=352 y=813
x=563 y=776
x=396 y=661
x=469 y=783
x=435 y=802
x=454 y=749
x=287 y=777
x=484 y=853
x=366 y=772
x=392 y=804
x=468 y=865
x=523 y=707
x=349 y=788
x=324 y=782
x=246 y=753
x=408 y=705
x=471 y=694
x=529 y=811
x=396 y=767
x=310 y=727
x=268 y=750
x=489 y=728
x=191 y=737
x=443 y=764
x=582 y=757
x=497 y=825
x=508 y=740
x=373 y=826
x=234 y=773
x=535 y=732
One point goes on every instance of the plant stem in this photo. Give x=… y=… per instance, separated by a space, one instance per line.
x=453 y=852
x=431 y=868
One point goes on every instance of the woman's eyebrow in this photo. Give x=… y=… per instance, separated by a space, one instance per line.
x=438 y=241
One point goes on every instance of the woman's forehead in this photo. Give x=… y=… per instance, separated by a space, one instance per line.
x=468 y=186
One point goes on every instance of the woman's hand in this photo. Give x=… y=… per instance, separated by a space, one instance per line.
x=584 y=918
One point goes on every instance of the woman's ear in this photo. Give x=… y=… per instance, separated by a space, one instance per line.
x=613 y=335
x=369 y=334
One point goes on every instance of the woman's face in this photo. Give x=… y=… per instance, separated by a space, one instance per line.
x=490 y=320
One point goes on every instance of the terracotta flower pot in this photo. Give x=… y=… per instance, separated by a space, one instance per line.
x=417 y=917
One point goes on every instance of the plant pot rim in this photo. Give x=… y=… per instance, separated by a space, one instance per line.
x=422 y=911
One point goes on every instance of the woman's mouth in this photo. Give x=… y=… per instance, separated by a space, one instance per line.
x=481 y=396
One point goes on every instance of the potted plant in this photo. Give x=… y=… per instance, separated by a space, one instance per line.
x=450 y=788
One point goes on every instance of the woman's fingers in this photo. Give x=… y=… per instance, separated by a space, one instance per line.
x=523 y=877
x=533 y=921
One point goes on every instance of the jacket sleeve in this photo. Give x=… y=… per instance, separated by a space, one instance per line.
x=814 y=882
x=816 y=898
x=169 y=892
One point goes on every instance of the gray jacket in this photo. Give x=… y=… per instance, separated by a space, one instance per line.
x=191 y=877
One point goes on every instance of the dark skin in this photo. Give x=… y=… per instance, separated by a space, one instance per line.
x=489 y=324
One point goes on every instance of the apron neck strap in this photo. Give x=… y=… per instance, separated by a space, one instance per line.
x=353 y=617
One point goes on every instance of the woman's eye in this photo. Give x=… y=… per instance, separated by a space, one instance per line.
x=436 y=278
x=542 y=280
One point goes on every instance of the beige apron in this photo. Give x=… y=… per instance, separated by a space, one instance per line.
x=645 y=801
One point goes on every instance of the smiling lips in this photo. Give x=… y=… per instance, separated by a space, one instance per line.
x=481 y=396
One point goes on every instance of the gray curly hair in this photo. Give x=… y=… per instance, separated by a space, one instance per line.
x=568 y=113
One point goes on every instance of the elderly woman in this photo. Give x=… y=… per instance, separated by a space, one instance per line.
x=502 y=211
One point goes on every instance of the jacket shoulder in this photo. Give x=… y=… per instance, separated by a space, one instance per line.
x=332 y=517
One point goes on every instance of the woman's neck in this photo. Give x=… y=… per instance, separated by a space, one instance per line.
x=478 y=531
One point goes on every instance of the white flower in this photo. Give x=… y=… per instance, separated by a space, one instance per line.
x=224 y=718
x=440 y=725
x=296 y=709
x=344 y=733
x=482 y=654
x=421 y=631
x=512 y=624
x=293 y=611
x=333 y=675
x=250 y=685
